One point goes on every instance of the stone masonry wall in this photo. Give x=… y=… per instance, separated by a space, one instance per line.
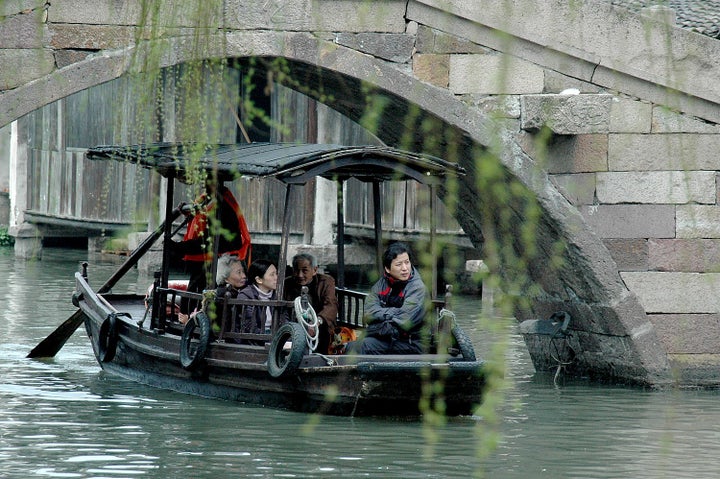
x=642 y=173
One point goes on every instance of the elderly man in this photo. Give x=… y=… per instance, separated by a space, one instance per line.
x=321 y=289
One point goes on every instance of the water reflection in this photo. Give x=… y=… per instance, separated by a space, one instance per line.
x=64 y=417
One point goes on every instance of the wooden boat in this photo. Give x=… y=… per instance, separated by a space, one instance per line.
x=144 y=344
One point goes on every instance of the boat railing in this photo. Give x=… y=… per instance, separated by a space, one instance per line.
x=231 y=311
x=177 y=300
x=351 y=307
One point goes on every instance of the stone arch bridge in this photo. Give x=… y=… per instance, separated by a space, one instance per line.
x=623 y=166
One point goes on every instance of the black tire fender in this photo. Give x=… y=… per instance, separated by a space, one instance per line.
x=192 y=353
x=281 y=361
x=108 y=338
x=463 y=343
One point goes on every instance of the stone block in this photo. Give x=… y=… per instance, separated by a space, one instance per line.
x=129 y=12
x=565 y=154
x=698 y=370
x=394 y=47
x=4 y=208
x=686 y=255
x=578 y=189
x=64 y=58
x=681 y=151
x=25 y=30
x=494 y=74
x=659 y=187
x=629 y=254
x=91 y=37
x=665 y=120
x=497 y=106
x=680 y=333
x=11 y=8
x=22 y=66
x=28 y=241
x=670 y=292
x=317 y=15
x=698 y=221
x=630 y=116
x=433 y=69
x=435 y=41
x=631 y=221
x=566 y=114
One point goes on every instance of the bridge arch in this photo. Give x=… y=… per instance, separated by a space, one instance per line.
x=618 y=339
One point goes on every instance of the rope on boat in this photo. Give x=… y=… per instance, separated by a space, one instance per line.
x=446 y=313
x=308 y=318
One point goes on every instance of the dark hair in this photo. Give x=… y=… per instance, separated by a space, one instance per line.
x=393 y=251
x=258 y=268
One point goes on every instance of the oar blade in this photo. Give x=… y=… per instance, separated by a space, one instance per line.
x=50 y=346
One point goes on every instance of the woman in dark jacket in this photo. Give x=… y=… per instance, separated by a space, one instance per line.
x=262 y=282
x=395 y=307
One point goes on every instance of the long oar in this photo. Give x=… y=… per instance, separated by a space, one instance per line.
x=49 y=346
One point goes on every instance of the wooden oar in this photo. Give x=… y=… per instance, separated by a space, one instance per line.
x=49 y=346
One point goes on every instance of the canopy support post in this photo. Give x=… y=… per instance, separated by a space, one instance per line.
x=340 y=234
x=282 y=261
x=377 y=211
x=168 y=231
x=433 y=241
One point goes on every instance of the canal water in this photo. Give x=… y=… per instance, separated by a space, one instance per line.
x=66 y=418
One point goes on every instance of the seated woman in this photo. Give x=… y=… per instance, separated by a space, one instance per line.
x=262 y=282
x=394 y=308
x=230 y=277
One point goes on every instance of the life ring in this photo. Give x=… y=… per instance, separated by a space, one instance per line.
x=282 y=361
x=463 y=343
x=192 y=353
x=108 y=337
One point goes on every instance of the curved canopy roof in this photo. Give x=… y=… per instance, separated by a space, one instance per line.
x=288 y=162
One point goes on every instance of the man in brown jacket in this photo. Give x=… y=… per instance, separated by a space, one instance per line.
x=321 y=289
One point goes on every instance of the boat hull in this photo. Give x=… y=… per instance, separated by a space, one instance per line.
x=335 y=385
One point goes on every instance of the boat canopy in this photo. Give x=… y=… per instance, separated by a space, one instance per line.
x=292 y=163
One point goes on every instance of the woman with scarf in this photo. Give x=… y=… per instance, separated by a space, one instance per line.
x=395 y=307
x=262 y=282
